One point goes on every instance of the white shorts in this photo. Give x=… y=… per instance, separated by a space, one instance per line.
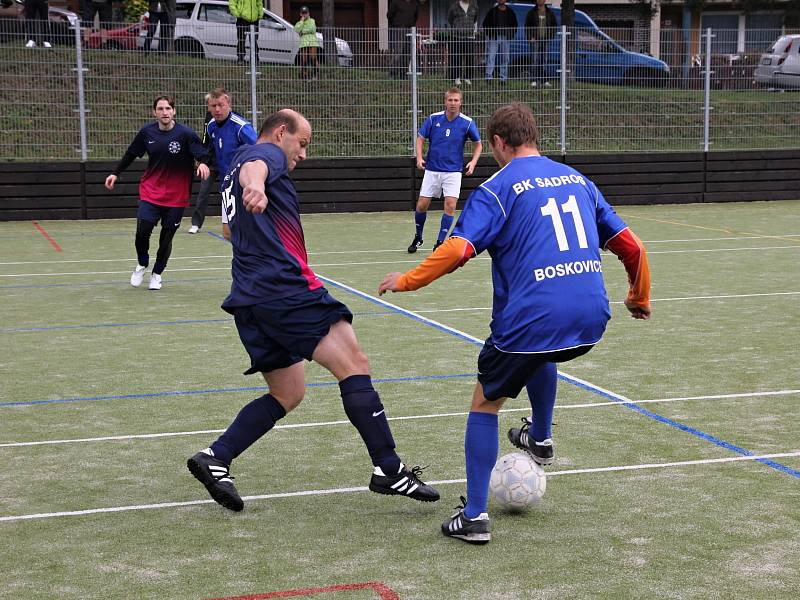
x=437 y=184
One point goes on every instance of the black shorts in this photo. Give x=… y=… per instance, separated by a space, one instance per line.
x=503 y=374
x=170 y=216
x=280 y=333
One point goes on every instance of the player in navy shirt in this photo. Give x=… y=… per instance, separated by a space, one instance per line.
x=226 y=132
x=284 y=316
x=543 y=224
x=165 y=186
x=448 y=132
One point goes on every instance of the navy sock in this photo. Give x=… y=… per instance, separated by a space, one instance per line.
x=419 y=221
x=365 y=411
x=444 y=229
x=542 y=394
x=254 y=420
x=481 y=445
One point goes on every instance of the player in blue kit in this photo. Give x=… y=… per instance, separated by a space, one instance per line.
x=543 y=224
x=165 y=186
x=226 y=132
x=448 y=132
x=284 y=316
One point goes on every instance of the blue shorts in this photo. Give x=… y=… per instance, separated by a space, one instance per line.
x=280 y=333
x=170 y=216
x=504 y=374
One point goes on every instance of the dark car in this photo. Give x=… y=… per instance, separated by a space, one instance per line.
x=13 y=26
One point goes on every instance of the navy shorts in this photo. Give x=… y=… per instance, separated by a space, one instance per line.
x=170 y=216
x=503 y=374
x=280 y=333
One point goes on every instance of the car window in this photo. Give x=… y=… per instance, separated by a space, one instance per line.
x=269 y=21
x=215 y=13
x=781 y=45
x=589 y=41
x=184 y=10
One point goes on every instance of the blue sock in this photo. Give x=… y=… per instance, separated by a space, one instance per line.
x=444 y=229
x=253 y=421
x=542 y=394
x=419 y=221
x=481 y=445
x=365 y=411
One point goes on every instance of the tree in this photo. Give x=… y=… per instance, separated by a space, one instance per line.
x=328 y=36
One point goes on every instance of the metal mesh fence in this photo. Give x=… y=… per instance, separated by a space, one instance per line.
x=368 y=90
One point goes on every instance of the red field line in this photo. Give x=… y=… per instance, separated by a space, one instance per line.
x=383 y=590
x=47 y=236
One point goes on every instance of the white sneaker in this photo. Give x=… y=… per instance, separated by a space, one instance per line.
x=155 y=281
x=457 y=82
x=193 y=229
x=30 y=44
x=138 y=275
x=467 y=82
x=547 y=84
x=47 y=44
x=534 y=84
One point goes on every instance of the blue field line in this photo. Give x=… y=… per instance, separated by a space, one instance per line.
x=260 y=388
x=576 y=382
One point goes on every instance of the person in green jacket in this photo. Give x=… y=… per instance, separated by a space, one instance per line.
x=247 y=12
x=307 y=28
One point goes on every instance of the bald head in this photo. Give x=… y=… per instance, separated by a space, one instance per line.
x=290 y=131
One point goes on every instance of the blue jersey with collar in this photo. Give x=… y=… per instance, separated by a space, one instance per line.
x=543 y=224
x=226 y=138
x=447 y=140
x=270 y=260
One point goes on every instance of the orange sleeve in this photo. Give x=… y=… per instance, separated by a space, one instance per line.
x=453 y=253
x=631 y=252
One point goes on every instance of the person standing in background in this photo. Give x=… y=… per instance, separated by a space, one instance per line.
x=500 y=27
x=462 y=18
x=247 y=13
x=306 y=27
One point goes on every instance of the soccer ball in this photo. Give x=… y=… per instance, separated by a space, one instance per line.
x=517 y=483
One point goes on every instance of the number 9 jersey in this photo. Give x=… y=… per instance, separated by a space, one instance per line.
x=543 y=224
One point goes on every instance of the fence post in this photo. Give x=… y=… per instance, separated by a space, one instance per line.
x=563 y=76
x=79 y=69
x=253 y=76
x=707 y=94
x=414 y=98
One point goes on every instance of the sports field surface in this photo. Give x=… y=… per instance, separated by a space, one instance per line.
x=677 y=471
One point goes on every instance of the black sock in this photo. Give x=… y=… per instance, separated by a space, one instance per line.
x=365 y=411
x=164 y=248
x=253 y=421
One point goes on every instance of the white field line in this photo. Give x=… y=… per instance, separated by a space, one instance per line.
x=128 y=259
x=169 y=434
x=349 y=490
x=351 y=264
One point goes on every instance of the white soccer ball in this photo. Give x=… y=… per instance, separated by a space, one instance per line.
x=517 y=482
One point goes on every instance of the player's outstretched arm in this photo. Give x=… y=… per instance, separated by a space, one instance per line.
x=253 y=179
x=453 y=253
x=631 y=252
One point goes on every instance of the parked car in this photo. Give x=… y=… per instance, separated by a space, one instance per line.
x=780 y=66
x=598 y=58
x=119 y=38
x=206 y=28
x=62 y=24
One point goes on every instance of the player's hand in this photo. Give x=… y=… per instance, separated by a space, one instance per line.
x=637 y=311
x=110 y=181
x=203 y=171
x=470 y=168
x=254 y=199
x=389 y=284
x=421 y=164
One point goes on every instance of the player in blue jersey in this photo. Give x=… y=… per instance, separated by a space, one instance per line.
x=284 y=316
x=226 y=131
x=165 y=186
x=543 y=224
x=447 y=132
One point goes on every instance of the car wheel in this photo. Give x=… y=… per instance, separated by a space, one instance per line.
x=189 y=47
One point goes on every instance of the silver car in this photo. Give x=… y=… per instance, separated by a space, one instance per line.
x=780 y=67
x=207 y=28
